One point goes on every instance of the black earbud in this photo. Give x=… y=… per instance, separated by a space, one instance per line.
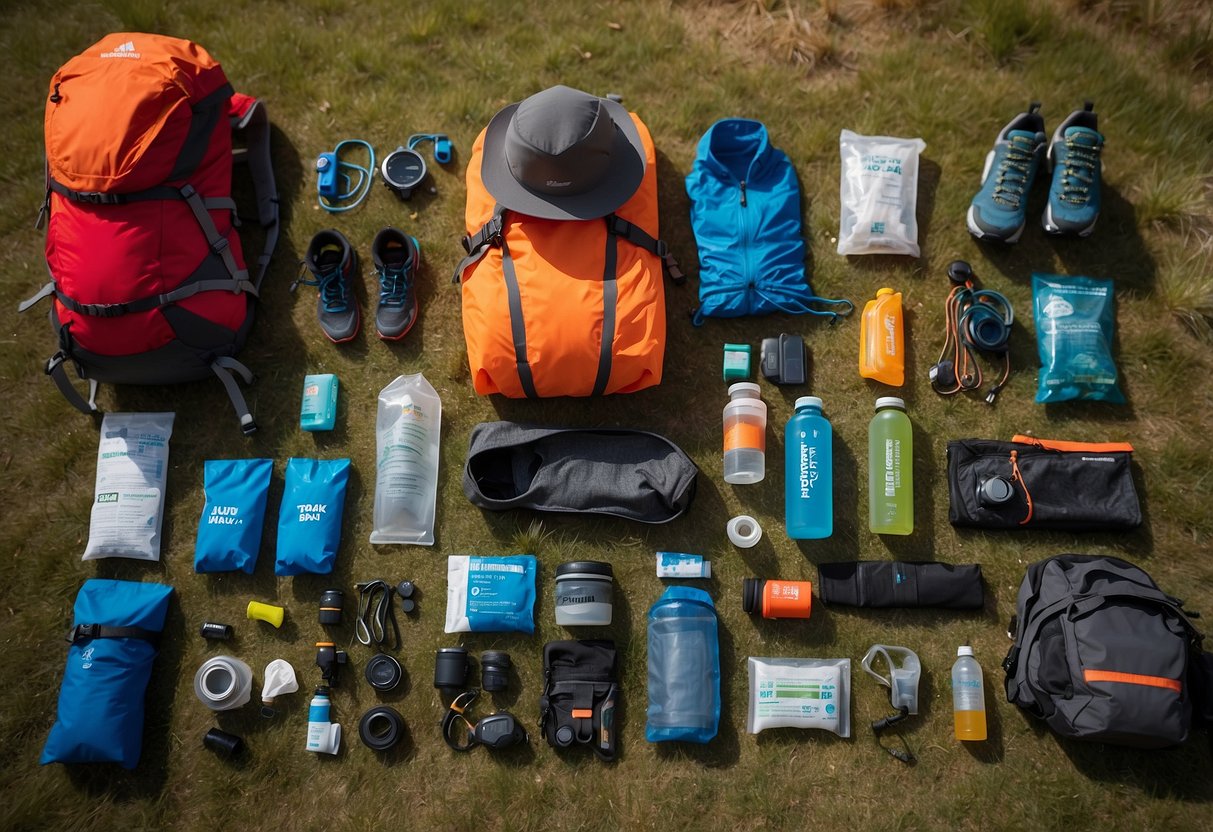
x=960 y=272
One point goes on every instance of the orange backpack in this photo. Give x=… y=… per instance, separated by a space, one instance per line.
x=564 y=307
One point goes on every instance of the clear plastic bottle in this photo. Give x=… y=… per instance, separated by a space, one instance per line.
x=882 y=339
x=745 y=434
x=890 y=469
x=808 y=472
x=968 y=697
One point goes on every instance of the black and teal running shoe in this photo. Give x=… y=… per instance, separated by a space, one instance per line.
x=333 y=264
x=1074 y=154
x=999 y=211
x=396 y=256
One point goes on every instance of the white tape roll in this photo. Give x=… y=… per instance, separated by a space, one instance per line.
x=744 y=531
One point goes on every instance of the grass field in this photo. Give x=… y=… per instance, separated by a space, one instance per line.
x=951 y=72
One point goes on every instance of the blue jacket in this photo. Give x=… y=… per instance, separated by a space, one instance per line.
x=745 y=212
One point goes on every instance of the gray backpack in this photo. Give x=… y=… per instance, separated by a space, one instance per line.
x=1101 y=653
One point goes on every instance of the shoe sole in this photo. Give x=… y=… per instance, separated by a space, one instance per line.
x=980 y=234
x=1046 y=222
x=409 y=328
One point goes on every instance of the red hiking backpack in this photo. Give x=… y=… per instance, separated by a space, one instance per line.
x=147 y=273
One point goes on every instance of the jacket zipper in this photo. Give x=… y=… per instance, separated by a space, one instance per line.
x=745 y=238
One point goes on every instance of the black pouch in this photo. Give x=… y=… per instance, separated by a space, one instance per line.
x=580 y=690
x=883 y=583
x=1030 y=483
x=619 y=473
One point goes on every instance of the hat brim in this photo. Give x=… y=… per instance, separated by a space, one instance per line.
x=617 y=187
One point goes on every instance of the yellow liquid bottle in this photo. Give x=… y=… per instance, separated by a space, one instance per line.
x=882 y=339
x=968 y=697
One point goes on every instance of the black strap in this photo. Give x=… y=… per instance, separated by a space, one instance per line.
x=610 y=299
x=85 y=632
x=517 y=323
x=477 y=245
x=54 y=369
x=205 y=115
x=256 y=127
x=224 y=367
x=640 y=238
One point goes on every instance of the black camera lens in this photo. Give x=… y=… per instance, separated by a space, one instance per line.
x=451 y=669
x=494 y=670
x=383 y=672
x=994 y=491
x=332 y=602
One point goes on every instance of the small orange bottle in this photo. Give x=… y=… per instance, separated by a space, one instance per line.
x=777 y=599
x=882 y=340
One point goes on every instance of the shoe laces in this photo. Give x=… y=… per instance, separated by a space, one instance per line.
x=1079 y=171
x=1013 y=170
x=395 y=282
x=331 y=285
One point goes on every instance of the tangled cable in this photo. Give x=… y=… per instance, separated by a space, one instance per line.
x=976 y=320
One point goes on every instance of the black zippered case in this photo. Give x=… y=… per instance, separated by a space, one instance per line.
x=1031 y=483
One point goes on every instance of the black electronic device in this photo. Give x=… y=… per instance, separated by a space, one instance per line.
x=496 y=731
x=329 y=659
x=403 y=170
x=784 y=359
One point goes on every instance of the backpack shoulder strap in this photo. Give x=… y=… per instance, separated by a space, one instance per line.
x=255 y=124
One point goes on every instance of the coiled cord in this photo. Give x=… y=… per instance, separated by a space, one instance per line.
x=975 y=320
x=353 y=191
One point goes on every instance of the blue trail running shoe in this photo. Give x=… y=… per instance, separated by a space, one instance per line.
x=333 y=263
x=396 y=257
x=1074 y=154
x=999 y=211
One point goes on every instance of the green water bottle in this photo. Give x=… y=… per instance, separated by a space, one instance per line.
x=890 y=469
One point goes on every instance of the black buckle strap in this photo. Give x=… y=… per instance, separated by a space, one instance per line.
x=488 y=235
x=640 y=238
x=86 y=632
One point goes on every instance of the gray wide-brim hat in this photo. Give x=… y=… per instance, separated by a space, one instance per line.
x=563 y=154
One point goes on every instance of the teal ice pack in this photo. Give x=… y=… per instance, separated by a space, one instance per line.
x=1075 y=329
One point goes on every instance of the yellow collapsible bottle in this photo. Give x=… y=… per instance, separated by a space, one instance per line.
x=881 y=339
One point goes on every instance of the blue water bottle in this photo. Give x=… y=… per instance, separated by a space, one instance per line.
x=809 y=472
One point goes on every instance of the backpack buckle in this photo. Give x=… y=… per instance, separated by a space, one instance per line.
x=82 y=632
x=94 y=197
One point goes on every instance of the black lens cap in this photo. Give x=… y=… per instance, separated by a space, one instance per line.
x=994 y=491
x=383 y=672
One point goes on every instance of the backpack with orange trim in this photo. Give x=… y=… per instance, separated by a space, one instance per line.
x=564 y=307
x=147 y=273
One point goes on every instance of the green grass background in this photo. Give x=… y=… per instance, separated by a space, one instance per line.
x=952 y=72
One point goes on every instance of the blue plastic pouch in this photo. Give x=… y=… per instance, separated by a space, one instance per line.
x=101 y=699
x=490 y=595
x=229 y=531
x=309 y=522
x=1075 y=328
x=684 y=667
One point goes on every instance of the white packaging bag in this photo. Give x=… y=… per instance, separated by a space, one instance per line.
x=879 y=194
x=128 y=497
x=407 y=431
x=799 y=693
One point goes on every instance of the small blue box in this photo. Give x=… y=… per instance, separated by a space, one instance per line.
x=319 y=408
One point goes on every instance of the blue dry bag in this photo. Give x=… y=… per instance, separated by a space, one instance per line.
x=309 y=522
x=745 y=211
x=229 y=531
x=684 y=667
x=115 y=627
